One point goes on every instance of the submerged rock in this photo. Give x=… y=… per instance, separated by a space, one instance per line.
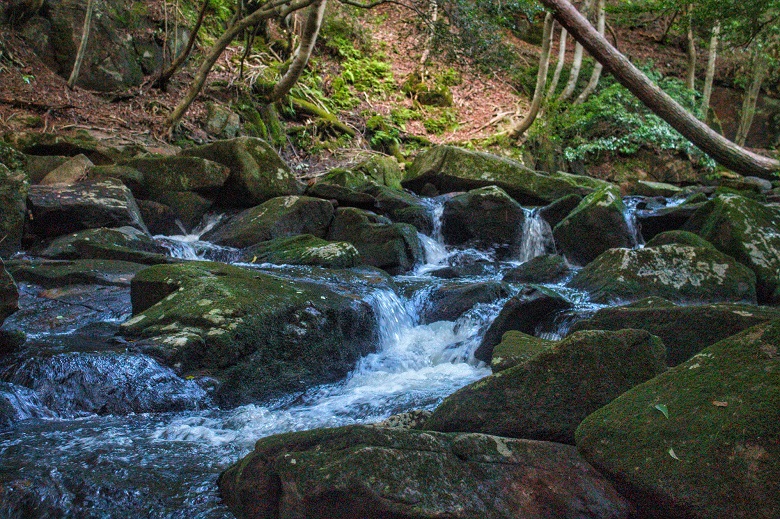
x=390 y=473
x=451 y=300
x=19 y=403
x=486 y=217
x=546 y=397
x=716 y=454
x=304 y=249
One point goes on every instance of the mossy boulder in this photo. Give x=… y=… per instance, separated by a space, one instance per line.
x=159 y=218
x=430 y=93
x=130 y=177
x=259 y=335
x=277 y=218
x=451 y=300
x=535 y=305
x=257 y=173
x=546 y=397
x=344 y=196
x=450 y=169
x=70 y=172
x=381 y=243
x=9 y=294
x=486 y=217
x=717 y=454
x=549 y=268
x=401 y=207
x=180 y=173
x=685 y=330
x=304 y=249
x=748 y=231
x=14 y=186
x=123 y=243
x=383 y=170
x=658 y=220
x=680 y=238
x=516 y=348
x=188 y=207
x=382 y=472
x=597 y=224
x=56 y=144
x=555 y=212
x=58 y=273
x=650 y=188
x=679 y=273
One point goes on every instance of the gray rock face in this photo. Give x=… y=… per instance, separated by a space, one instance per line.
x=390 y=473
x=486 y=217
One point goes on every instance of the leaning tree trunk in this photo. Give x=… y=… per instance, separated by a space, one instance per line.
x=690 y=76
x=596 y=75
x=541 y=80
x=659 y=102
x=167 y=74
x=74 y=75
x=760 y=66
x=576 y=63
x=710 y=76
x=559 y=65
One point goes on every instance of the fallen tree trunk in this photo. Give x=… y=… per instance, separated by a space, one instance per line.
x=724 y=151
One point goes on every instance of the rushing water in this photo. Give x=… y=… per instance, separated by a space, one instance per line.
x=165 y=465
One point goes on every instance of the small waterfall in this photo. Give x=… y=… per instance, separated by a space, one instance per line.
x=191 y=247
x=435 y=252
x=629 y=214
x=536 y=239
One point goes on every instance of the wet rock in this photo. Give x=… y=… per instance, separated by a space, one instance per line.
x=130 y=177
x=596 y=225
x=277 y=218
x=70 y=172
x=676 y=272
x=401 y=207
x=259 y=335
x=180 y=173
x=746 y=230
x=541 y=269
x=19 y=403
x=546 y=397
x=304 y=249
x=188 y=207
x=123 y=243
x=451 y=300
x=391 y=247
x=555 y=212
x=52 y=144
x=411 y=420
x=685 y=330
x=383 y=473
x=73 y=384
x=221 y=122
x=56 y=273
x=14 y=185
x=452 y=169
x=717 y=454
x=38 y=166
x=679 y=238
x=345 y=196
x=257 y=173
x=9 y=294
x=58 y=210
x=516 y=348
x=525 y=312
x=159 y=218
x=485 y=218
x=651 y=189
x=382 y=170
x=656 y=221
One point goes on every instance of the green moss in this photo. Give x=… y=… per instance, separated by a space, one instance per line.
x=679 y=237
x=516 y=348
x=304 y=249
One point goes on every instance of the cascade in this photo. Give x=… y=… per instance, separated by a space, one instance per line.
x=536 y=239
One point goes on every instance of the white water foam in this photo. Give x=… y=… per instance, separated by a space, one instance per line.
x=537 y=238
x=191 y=247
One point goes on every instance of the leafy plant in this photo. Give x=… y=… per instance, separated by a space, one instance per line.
x=444 y=121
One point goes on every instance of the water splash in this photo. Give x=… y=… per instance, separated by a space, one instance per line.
x=536 y=239
x=191 y=247
x=629 y=213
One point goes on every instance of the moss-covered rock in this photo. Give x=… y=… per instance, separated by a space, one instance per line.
x=58 y=273
x=9 y=294
x=401 y=207
x=685 y=330
x=259 y=335
x=381 y=169
x=650 y=188
x=130 y=177
x=159 y=218
x=717 y=454
x=52 y=144
x=381 y=243
x=486 y=217
x=451 y=300
x=555 y=212
x=124 y=243
x=679 y=273
x=345 y=196
x=188 y=207
x=70 y=172
x=14 y=186
x=277 y=218
x=597 y=224
x=391 y=473
x=451 y=169
x=748 y=231
x=546 y=397
x=549 y=268
x=516 y=348
x=304 y=249
x=257 y=173
x=533 y=306
x=180 y=173
x=659 y=220
x=680 y=238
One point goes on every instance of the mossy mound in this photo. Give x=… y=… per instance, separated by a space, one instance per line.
x=401 y=207
x=486 y=217
x=680 y=238
x=676 y=272
x=717 y=454
x=56 y=273
x=546 y=397
x=36 y=143
x=161 y=174
x=259 y=335
x=381 y=169
x=748 y=231
x=685 y=330
x=549 y=268
x=451 y=169
x=392 y=473
x=124 y=243
x=516 y=348
x=304 y=249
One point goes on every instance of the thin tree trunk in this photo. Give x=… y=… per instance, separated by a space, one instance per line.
x=596 y=74
x=690 y=78
x=74 y=75
x=302 y=54
x=274 y=8
x=760 y=66
x=559 y=65
x=576 y=64
x=434 y=10
x=710 y=76
x=167 y=74
x=718 y=147
x=541 y=80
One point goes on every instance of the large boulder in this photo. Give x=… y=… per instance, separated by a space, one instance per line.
x=188 y=207
x=451 y=300
x=533 y=306
x=654 y=221
x=257 y=173
x=485 y=217
x=58 y=273
x=381 y=243
x=597 y=224
x=14 y=186
x=277 y=218
x=123 y=243
x=180 y=173
x=401 y=207
x=58 y=210
x=748 y=231
x=343 y=196
x=547 y=396
x=9 y=293
x=382 y=473
x=516 y=348
x=452 y=169
x=548 y=268
x=685 y=330
x=700 y=441
x=56 y=148
x=304 y=249
x=680 y=273
x=258 y=335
